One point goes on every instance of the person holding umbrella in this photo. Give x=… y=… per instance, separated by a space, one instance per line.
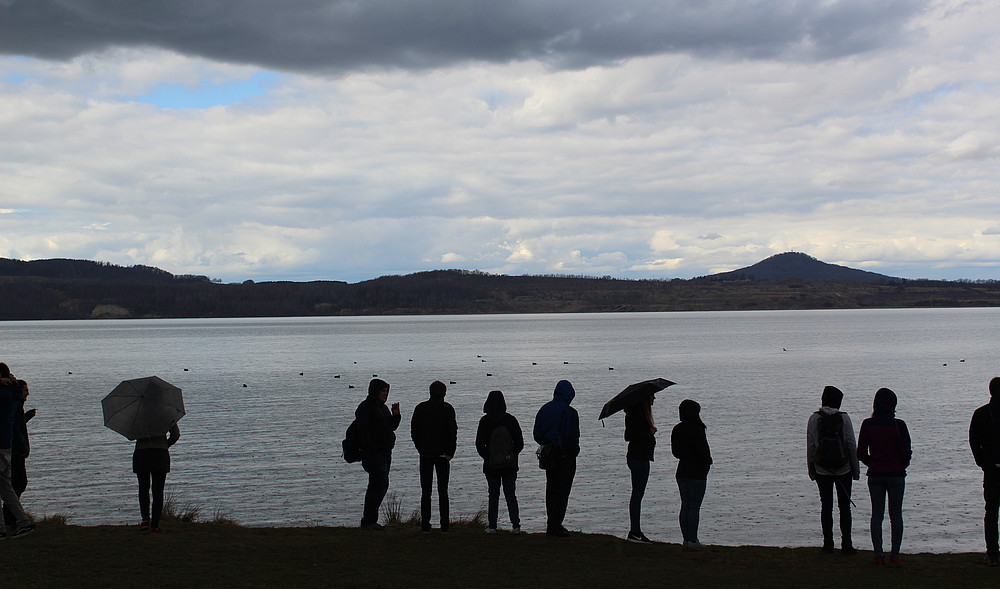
x=147 y=410
x=689 y=445
x=640 y=435
x=151 y=463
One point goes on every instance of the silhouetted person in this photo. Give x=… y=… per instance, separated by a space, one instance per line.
x=19 y=451
x=151 y=463
x=639 y=433
x=557 y=424
x=376 y=432
x=499 y=440
x=884 y=446
x=11 y=401
x=689 y=445
x=435 y=434
x=832 y=459
x=984 y=438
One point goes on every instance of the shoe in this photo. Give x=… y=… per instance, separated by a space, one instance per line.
x=693 y=545
x=445 y=529
x=3 y=535
x=896 y=561
x=23 y=531
x=425 y=529
x=992 y=560
x=559 y=532
x=515 y=530
x=144 y=525
x=879 y=560
x=638 y=538
x=154 y=530
x=828 y=547
x=491 y=530
x=848 y=550
x=373 y=527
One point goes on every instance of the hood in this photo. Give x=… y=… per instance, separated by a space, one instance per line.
x=375 y=386
x=495 y=403
x=438 y=390
x=832 y=397
x=564 y=391
x=884 y=403
x=690 y=411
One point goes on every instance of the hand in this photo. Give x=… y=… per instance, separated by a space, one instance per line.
x=30 y=413
x=395 y=408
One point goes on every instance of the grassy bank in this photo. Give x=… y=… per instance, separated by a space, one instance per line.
x=221 y=555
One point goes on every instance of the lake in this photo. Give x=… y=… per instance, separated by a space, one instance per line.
x=268 y=401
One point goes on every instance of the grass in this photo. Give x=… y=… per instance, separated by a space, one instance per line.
x=224 y=555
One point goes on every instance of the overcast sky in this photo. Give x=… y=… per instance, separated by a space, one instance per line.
x=345 y=140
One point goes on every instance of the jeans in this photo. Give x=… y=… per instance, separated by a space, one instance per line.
x=991 y=493
x=878 y=488
x=826 y=484
x=692 y=493
x=558 y=484
x=19 y=481
x=377 y=467
x=7 y=494
x=155 y=481
x=494 y=480
x=640 y=476
x=428 y=465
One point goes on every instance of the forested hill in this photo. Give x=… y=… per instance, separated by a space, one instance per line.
x=86 y=269
x=69 y=289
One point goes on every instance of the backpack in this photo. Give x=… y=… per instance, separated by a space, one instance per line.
x=500 y=450
x=352 y=443
x=831 y=452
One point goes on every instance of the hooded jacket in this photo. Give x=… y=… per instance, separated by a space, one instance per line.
x=376 y=424
x=557 y=423
x=831 y=400
x=884 y=441
x=689 y=444
x=495 y=409
x=433 y=428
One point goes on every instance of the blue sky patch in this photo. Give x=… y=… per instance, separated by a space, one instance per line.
x=208 y=94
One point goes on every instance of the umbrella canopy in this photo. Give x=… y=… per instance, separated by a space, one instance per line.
x=633 y=394
x=143 y=407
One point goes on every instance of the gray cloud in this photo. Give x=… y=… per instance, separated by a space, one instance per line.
x=343 y=35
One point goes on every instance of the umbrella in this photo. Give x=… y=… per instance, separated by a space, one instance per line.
x=632 y=394
x=143 y=407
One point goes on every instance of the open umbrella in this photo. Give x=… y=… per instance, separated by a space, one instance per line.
x=633 y=394
x=143 y=407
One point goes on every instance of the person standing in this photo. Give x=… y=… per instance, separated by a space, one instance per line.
x=689 y=445
x=19 y=451
x=11 y=401
x=984 y=438
x=832 y=460
x=640 y=435
x=151 y=463
x=499 y=440
x=376 y=432
x=884 y=447
x=435 y=433
x=558 y=425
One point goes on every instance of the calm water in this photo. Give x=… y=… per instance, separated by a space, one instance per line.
x=267 y=453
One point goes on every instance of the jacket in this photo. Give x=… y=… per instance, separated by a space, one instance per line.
x=433 y=428
x=689 y=444
x=495 y=409
x=884 y=441
x=557 y=423
x=984 y=438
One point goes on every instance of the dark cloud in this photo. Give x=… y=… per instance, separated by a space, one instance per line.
x=341 y=35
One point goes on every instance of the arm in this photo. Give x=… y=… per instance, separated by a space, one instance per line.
x=812 y=436
x=515 y=433
x=173 y=435
x=452 y=434
x=864 y=445
x=905 y=447
x=482 y=438
x=852 y=447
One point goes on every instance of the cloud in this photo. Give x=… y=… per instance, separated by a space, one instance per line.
x=343 y=35
x=630 y=158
